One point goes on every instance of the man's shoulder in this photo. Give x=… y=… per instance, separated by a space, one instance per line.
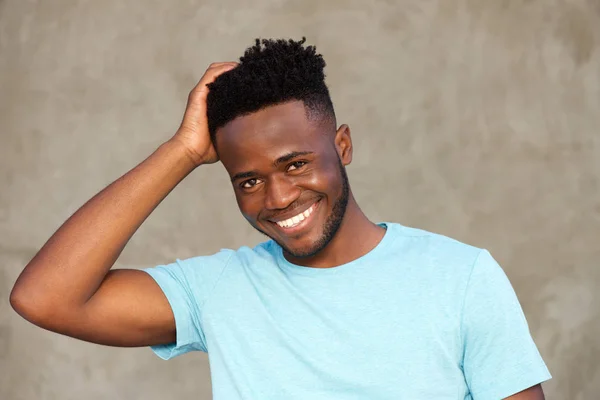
x=405 y=231
x=435 y=247
x=262 y=252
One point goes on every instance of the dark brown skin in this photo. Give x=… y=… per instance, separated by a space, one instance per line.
x=68 y=286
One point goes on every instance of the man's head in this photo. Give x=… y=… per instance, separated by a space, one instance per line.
x=273 y=125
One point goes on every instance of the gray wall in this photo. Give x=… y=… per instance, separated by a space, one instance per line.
x=475 y=119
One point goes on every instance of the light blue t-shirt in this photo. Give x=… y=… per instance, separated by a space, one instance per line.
x=421 y=316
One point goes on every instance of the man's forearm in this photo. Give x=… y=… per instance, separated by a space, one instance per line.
x=72 y=264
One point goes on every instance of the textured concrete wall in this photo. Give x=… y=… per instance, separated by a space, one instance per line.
x=476 y=119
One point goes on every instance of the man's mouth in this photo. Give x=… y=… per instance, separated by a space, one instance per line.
x=297 y=221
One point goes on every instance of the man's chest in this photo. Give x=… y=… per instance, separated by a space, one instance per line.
x=373 y=337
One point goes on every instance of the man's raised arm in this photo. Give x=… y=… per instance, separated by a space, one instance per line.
x=67 y=287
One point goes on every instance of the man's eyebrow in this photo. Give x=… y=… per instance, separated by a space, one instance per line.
x=290 y=156
x=283 y=159
x=243 y=175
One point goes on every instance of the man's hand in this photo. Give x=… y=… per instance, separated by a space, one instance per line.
x=193 y=132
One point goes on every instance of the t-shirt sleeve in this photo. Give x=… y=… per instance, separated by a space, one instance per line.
x=500 y=356
x=187 y=285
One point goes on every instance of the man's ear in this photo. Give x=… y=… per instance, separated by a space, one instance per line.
x=343 y=144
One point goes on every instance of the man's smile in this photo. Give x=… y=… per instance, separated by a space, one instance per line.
x=296 y=220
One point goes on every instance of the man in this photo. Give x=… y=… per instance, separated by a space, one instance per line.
x=334 y=306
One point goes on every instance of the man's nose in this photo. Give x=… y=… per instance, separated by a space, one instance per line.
x=280 y=193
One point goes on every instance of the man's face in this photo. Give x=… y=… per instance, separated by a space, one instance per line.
x=288 y=174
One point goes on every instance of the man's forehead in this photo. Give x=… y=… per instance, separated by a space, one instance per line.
x=274 y=131
x=267 y=150
x=272 y=119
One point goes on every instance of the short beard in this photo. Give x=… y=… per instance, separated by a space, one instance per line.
x=332 y=224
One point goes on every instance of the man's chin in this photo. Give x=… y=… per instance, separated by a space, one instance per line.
x=301 y=250
x=301 y=253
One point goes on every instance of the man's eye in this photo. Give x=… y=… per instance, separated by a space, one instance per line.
x=296 y=165
x=250 y=183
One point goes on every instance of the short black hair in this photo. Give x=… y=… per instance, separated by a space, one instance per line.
x=271 y=72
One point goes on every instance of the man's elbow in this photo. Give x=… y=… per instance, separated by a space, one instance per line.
x=21 y=302
x=31 y=307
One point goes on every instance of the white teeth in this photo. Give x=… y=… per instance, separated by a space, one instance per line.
x=295 y=220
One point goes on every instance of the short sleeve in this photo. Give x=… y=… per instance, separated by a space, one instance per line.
x=187 y=285
x=500 y=356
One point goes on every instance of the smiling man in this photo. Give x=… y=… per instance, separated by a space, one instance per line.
x=331 y=306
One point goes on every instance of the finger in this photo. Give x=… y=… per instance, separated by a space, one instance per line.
x=211 y=74
x=222 y=67
x=201 y=90
x=222 y=63
x=215 y=70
